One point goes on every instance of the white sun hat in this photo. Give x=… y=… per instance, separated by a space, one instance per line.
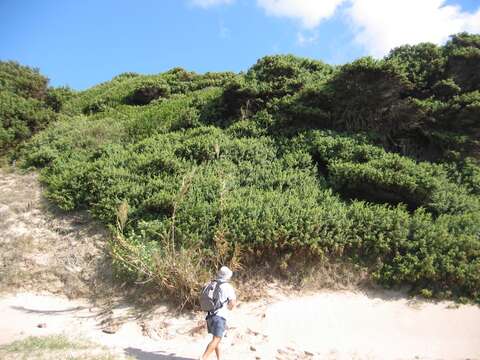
x=224 y=274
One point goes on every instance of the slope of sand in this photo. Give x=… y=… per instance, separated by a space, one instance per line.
x=44 y=248
x=326 y=325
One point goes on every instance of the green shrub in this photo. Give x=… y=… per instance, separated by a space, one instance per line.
x=57 y=97
x=423 y=64
x=21 y=117
x=146 y=92
x=193 y=171
x=445 y=89
x=22 y=80
x=23 y=106
x=463 y=64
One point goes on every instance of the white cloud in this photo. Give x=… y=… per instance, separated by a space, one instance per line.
x=381 y=25
x=210 y=3
x=309 y=12
x=305 y=39
x=384 y=24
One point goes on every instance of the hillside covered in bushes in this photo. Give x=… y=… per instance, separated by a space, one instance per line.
x=295 y=161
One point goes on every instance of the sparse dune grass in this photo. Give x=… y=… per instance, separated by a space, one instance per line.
x=43 y=248
x=55 y=347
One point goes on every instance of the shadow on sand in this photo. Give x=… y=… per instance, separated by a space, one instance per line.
x=47 y=312
x=153 y=355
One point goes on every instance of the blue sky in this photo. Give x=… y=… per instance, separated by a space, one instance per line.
x=83 y=42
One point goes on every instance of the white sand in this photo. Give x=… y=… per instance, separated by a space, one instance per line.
x=345 y=324
x=327 y=325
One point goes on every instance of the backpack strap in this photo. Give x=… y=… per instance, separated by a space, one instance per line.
x=216 y=293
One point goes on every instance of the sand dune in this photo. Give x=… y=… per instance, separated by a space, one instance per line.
x=323 y=325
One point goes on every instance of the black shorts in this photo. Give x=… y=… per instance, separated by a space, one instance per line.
x=216 y=325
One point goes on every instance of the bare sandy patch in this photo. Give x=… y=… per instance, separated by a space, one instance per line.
x=43 y=248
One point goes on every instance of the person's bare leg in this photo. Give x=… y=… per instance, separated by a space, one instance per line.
x=211 y=347
x=218 y=351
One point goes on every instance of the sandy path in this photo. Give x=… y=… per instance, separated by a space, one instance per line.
x=347 y=324
x=327 y=325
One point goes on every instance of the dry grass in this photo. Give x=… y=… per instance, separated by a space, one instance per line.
x=298 y=274
x=45 y=249
x=55 y=347
x=178 y=273
x=5 y=163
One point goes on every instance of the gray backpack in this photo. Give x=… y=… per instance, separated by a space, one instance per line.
x=210 y=297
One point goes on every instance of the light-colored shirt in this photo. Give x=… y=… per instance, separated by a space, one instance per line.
x=227 y=293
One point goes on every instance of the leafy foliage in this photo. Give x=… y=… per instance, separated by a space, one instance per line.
x=134 y=89
x=23 y=106
x=57 y=97
x=423 y=64
x=463 y=64
x=294 y=159
x=22 y=80
x=20 y=117
x=271 y=78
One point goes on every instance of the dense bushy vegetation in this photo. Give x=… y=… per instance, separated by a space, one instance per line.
x=26 y=103
x=375 y=162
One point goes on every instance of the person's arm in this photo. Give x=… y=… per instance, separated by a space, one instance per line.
x=231 y=304
x=232 y=299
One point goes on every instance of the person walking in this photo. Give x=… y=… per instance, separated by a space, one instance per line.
x=217 y=319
